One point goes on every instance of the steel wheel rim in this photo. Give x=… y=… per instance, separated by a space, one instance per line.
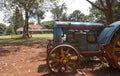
x=63 y=59
x=49 y=46
x=117 y=51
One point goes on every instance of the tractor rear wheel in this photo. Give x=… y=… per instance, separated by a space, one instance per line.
x=63 y=58
x=113 y=51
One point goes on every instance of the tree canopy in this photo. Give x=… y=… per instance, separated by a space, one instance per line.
x=97 y=15
x=2 y=28
x=27 y=6
x=16 y=20
x=58 y=10
x=104 y=11
x=76 y=16
x=106 y=7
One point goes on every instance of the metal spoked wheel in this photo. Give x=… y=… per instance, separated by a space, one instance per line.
x=63 y=58
x=117 y=50
x=114 y=52
x=50 y=45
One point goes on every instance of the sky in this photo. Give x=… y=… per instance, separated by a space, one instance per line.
x=81 y=5
x=1 y=17
x=72 y=5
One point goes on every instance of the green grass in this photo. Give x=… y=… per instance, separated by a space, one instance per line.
x=18 y=40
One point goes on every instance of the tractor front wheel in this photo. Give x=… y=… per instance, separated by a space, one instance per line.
x=63 y=58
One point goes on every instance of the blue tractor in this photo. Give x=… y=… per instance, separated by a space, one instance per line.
x=74 y=40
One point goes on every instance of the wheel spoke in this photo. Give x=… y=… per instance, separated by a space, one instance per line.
x=62 y=52
x=118 y=43
x=67 y=51
x=118 y=57
x=54 y=64
x=118 y=60
x=117 y=51
x=63 y=59
x=61 y=68
x=55 y=58
x=69 y=68
x=73 y=57
x=71 y=65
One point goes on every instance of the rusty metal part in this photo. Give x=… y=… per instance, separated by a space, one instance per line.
x=50 y=45
x=112 y=52
x=63 y=58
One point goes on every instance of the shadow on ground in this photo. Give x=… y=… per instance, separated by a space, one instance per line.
x=5 y=52
x=86 y=71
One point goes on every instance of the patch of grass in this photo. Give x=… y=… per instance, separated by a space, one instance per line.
x=18 y=40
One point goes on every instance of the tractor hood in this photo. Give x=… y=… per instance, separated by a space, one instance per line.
x=78 y=24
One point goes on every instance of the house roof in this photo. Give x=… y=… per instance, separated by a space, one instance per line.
x=34 y=28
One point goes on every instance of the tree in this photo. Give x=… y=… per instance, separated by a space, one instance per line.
x=64 y=17
x=48 y=24
x=106 y=7
x=16 y=20
x=38 y=12
x=39 y=15
x=76 y=16
x=98 y=16
x=2 y=28
x=27 y=6
x=58 y=10
x=9 y=30
x=116 y=10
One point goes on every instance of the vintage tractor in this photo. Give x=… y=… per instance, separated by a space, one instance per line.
x=74 y=40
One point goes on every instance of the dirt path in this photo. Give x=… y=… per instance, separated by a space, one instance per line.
x=30 y=60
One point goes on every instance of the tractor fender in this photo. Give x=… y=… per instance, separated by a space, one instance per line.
x=106 y=35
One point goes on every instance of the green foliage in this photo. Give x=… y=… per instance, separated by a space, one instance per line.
x=38 y=13
x=32 y=23
x=48 y=24
x=116 y=10
x=58 y=10
x=28 y=6
x=9 y=30
x=98 y=16
x=2 y=28
x=64 y=17
x=16 y=20
x=76 y=16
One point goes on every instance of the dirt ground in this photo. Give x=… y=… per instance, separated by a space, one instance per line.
x=30 y=60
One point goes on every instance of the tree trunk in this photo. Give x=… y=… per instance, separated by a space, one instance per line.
x=25 y=29
x=38 y=19
x=109 y=15
x=107 y=10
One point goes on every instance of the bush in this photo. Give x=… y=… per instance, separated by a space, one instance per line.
x=48 y=24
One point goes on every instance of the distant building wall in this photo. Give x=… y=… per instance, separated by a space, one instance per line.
x=35 y=29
